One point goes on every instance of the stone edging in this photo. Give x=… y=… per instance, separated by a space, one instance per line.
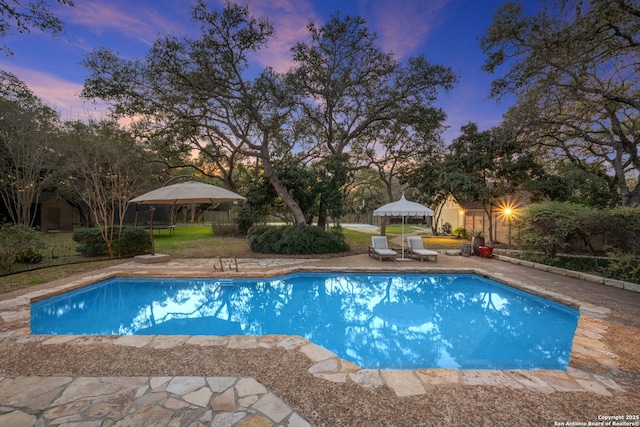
x=587 y=343
x=633 y=287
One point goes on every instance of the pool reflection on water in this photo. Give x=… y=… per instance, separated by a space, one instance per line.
x=377 y=321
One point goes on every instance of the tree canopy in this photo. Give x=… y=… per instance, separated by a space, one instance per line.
x=197 y=94
x=22 y=17
x=360 y=104
x=202 y=94
x=575 y=69
x=28 y=158
x=106 y=167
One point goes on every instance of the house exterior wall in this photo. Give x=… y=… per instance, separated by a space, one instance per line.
x=451 y=215
x=476 y=219
x=473 y=218
x=55 y=215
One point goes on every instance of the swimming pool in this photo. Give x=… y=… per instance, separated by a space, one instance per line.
x=377 y=321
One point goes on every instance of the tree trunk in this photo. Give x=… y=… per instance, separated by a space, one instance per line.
x=630 y=198
x=297 y=213
x=435 y=219
x=489 y=213
x=383 y=226
x=322 y=216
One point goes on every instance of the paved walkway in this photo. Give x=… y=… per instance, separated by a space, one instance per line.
x=141 y=401
x=242 y=401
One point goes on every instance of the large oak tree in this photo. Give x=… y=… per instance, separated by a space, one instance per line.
x=362 y=104
x=203 y=94
x=575 y=67
x=478 y=166
x=198 y=93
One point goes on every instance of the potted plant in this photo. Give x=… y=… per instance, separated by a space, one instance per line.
x=486 y=251
x=476 y=241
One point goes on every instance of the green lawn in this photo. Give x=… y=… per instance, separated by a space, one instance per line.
x=397 y=229
x=61 y=258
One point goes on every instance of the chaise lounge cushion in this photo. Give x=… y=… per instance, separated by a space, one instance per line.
x=380 y=249
x=417 y=249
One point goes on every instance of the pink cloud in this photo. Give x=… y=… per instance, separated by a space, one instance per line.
x=59 y=94
x=404 y=25
x=143 y=24
x=290 y=19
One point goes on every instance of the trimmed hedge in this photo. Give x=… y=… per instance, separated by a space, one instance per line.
x=552 y=227
x=296 y=240
x=133 y=241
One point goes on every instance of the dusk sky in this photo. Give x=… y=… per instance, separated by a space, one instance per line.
x=445 y=31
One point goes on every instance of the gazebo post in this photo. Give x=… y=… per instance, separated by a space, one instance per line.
x=153 y=244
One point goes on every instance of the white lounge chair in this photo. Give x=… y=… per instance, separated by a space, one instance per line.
x=380 y=249
x=417 y=249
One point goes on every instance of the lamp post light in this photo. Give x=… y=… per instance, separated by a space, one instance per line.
x=508 y=212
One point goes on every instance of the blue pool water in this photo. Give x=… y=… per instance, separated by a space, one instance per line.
x=377 y=321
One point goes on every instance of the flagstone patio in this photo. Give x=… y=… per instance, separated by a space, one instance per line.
x=242 y=400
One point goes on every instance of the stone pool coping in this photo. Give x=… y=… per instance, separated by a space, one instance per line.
x=587 y=343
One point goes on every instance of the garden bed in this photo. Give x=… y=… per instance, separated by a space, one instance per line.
x=609 y=271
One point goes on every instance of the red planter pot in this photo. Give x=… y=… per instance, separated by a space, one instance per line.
x=486 y=251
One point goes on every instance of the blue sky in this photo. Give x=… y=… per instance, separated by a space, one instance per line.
x=445 y=31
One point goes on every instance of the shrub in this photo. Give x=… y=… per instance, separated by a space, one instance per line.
x=459 y=233
x=30 y=255
x=621 y=228
x=549 y=227
x=91 y=242
x=300 y=239
x=132 y=241
x=264 y=239
x=246 y=218
x=623 y=266
x=587 y=264
x=19 y=244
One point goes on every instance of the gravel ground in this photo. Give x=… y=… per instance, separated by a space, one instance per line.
x=342 y=404
x=325 y=403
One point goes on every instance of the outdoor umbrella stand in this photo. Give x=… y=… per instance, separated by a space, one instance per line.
x=403 y=208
